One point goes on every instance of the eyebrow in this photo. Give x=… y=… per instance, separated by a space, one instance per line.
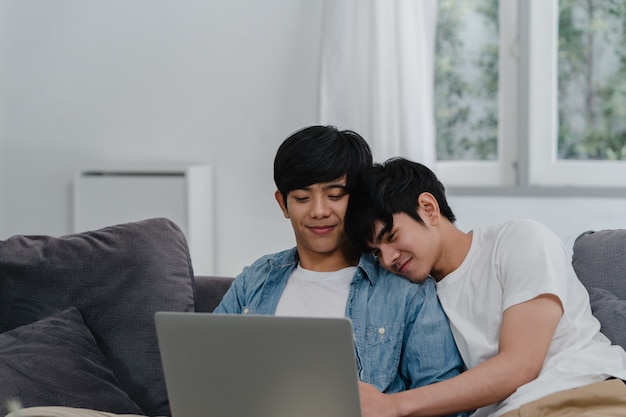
x=385 y=230
x=328 y=186
x=336 y=185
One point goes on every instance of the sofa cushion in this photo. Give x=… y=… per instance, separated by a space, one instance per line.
x=55 y=361
x=118 y=277
x=611 y=312
x=209 y=291
x=599 y=259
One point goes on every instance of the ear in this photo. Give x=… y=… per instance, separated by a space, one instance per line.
x=281 y=202
x=429 y=207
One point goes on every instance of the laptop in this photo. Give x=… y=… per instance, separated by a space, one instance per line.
x=258 y=366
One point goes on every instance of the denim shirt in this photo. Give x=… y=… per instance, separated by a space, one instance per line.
x=401 y=334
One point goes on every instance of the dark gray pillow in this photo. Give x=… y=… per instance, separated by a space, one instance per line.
x=611 y=312
x=118 y=277
x=599 y=259
x=55 y=361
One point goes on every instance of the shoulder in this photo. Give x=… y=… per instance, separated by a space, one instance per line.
x=517 y=233
x=267 y=262
x=531 y=232
x=384 y=280
x=284 y=256
x=528 y=226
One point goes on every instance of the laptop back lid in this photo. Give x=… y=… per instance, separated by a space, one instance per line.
x=258 y=366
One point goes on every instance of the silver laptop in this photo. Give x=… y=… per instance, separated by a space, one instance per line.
x=258 y=366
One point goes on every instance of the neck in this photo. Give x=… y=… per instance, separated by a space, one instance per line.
x=328 y=262
x=455 y=247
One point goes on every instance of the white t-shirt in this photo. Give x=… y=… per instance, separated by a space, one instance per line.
x=316 y=294
x=512 y=263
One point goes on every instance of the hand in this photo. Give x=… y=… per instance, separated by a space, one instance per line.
x=374 y=403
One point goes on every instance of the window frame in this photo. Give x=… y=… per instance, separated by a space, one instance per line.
x=545 y=167
x=528 y=124
x=502 y=171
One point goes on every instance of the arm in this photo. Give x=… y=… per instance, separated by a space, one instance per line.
x=526 y=332
x=231 y=302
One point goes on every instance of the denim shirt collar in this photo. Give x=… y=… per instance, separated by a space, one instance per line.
x=369 y=265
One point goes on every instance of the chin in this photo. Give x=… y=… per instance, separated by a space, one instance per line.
x=416 y=279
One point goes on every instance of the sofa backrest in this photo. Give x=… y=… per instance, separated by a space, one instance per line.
x=209 y=290
x=599 y=259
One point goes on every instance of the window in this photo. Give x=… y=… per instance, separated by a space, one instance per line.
x=476 y=92
x=592 y=80
x=531 y=93
x=466 y=80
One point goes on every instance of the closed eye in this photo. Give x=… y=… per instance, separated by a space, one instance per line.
x=391 y=237
x=337 y=197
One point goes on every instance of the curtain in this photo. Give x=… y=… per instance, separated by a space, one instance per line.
x=377 y=66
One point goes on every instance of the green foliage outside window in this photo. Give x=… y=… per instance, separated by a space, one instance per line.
x=592 y=79
x=466 y=80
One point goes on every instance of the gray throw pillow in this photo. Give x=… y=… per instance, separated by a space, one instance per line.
x=611 y=312
x=55 y=361
x=118 y=277
x=599 y=259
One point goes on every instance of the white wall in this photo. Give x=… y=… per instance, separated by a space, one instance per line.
x=220 y=82
x=87 y=83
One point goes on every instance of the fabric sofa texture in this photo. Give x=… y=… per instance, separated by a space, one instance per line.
x=599 y=259
x=56 y=360
x=77 y=311
x=117 y=277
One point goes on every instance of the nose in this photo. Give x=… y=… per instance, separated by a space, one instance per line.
x=387 y=256
x=319 y=208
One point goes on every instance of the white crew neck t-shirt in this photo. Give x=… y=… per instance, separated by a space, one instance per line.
x=316 y=294
x=512 y=263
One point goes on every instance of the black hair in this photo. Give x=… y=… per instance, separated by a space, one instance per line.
x=386 y=189
x=318 y=154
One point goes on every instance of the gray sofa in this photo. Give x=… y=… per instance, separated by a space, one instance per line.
x=76 y=312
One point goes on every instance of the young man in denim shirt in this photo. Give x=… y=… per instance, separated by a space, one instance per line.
x=401 y=333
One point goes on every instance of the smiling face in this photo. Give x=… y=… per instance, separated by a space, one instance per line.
x=409 y=249
x=414 y=250
x=317 y=215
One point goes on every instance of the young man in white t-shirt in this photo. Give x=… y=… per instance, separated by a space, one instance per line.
x=520 y=317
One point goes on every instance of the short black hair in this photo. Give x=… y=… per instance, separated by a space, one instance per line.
x=386 y=189
x=318 y=154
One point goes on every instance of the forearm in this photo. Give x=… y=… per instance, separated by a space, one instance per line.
x=488 y=383
x=525 y=336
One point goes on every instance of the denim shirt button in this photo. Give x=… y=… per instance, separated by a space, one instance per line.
x=246 y=310
x=381 y=331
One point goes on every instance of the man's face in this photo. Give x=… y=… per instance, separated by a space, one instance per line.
x=317 y=215
x=408 y=249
